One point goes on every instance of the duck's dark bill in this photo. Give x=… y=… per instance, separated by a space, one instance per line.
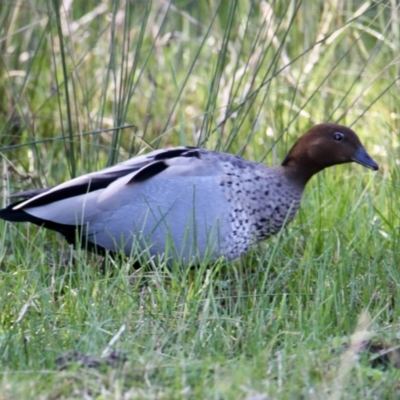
x=363 y=158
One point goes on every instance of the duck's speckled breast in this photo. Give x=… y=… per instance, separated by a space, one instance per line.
x=261 y=200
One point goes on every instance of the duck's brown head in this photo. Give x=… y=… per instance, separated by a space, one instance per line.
x=322 y=146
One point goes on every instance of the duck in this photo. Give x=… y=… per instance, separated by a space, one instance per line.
x=186 y=203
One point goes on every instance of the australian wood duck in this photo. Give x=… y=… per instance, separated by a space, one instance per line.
x=196 y=203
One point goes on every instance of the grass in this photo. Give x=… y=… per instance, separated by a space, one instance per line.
x=313 y=312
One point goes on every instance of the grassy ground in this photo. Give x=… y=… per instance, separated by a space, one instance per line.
x=311 y=314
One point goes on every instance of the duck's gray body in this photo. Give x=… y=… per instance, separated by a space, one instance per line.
x=185 y=203
x=194 y=203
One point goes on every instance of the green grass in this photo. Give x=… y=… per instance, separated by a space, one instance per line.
x=97 y=83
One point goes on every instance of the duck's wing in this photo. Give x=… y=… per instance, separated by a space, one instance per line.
x=96 y=196
x=146 y=166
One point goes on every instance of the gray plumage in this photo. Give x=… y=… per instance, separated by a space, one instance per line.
x=198 y=204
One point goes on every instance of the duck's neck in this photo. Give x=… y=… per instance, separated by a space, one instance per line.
x=299 y=167
x=299 y=174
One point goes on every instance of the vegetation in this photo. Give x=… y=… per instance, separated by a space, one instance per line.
x=312 y=313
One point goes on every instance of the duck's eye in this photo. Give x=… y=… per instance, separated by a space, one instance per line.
x=338 y=136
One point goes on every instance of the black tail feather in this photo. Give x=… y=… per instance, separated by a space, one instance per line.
x=9 y=214
x=70 y=232
x=14 y=215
